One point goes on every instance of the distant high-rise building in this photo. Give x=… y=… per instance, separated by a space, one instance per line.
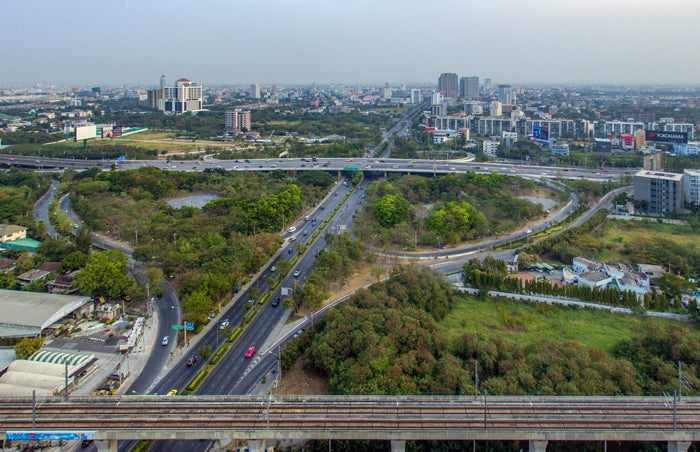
x=436 y=98
x=313 y=87
x=505 y=95
x=415 y=96
x=469 y=87
x=496 y=109
x=255 y=91
x=487 y=85
x=162 y=81
x=185 y=96
x=447 y=85
x=385 y=93
x=237 y=119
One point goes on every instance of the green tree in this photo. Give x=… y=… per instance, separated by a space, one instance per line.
x=391 y=210
x=74 y=261
x=104 y=273
x=83 y=241
x=27 y=346
x=377 y=270
x=205 y=352
x=155 y=277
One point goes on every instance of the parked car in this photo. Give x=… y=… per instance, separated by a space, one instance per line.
x=165 y=340
x=250 y=352
x=191 y=360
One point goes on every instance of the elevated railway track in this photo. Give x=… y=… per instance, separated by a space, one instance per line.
x=361 y=417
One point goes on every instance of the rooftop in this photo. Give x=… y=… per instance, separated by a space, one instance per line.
x=27 y=313
x=659 y=175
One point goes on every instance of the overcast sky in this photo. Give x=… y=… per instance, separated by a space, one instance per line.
x=88 y=42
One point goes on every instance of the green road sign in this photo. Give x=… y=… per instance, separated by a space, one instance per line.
x=178 y=327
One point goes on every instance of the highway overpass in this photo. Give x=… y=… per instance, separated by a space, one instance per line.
x=394 y=418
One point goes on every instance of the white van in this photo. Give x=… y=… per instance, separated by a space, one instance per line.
x=306 y=218
x=292 y=229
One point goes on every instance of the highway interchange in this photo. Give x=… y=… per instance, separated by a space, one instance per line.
x=236 y=375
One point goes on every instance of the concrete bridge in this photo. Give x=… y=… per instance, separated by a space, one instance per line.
x=393 y=418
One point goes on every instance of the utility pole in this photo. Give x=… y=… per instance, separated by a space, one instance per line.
x=66 y=375
x=679 y=381
x=136 y=232
x=476 y=380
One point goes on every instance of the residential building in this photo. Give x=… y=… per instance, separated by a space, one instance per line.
x=385 y=93
x=509 y=138
x=617 y=269
x=185 y=96
x=473 y=108
x=505 y=95
x=438 y=110
x=691 y=186
x=450 y=122
x=237 y=119
x=489 y=126
x=255 y=90
x=496 y=108
x=469 y=87
x=447 y=85
x=9 y=232
x=436 y=98
x=663 y=191
x=490 y=147
x=487 y=85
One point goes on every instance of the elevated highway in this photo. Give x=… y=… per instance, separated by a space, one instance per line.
x=394 y=418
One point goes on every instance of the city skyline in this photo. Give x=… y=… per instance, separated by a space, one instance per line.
x=299 y=42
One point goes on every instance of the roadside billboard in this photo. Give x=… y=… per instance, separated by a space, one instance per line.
x=659 y=136
x=86 y=132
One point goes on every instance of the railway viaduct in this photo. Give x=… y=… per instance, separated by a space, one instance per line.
x=397 y=419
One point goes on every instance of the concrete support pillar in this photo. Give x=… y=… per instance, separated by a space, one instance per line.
x=106 y=445
x=256 y=445
x=678 y=446
x=398 y=445
x=538 y=445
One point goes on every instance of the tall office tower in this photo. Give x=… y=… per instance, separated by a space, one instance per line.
x=313 y=87
x=447 y=85
x=255 y=91
x=385 y=93
x=415 y=96
x=183 y=97
x=469 y=87
x=162 y=81
x=505 y=95
x=487 y=85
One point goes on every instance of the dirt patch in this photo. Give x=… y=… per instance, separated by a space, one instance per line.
x=299 y=381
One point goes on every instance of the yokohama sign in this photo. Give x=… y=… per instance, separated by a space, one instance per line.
x=657 y=136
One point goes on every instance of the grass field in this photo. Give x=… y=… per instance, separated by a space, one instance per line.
x=524 y=323
x=616 y=236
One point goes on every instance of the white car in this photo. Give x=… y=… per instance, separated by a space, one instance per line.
x=223 y=324
x=292 y=229
x=296 y=273
x=165 y=340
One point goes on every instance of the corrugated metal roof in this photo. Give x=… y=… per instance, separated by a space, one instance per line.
x=45 y=356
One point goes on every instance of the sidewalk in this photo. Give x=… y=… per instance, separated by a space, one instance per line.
x=139 y=356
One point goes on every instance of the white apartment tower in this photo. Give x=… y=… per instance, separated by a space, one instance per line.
x=255 y=91
x=185 y=96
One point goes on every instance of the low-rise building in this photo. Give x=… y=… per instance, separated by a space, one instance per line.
x=9 y=232
x=651 y=270
x=583 y=264
x=617 y=269
x=490 y=147
x=593 y=279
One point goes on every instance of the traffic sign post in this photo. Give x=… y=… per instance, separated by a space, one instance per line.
x=189 y=326
x=178 y=327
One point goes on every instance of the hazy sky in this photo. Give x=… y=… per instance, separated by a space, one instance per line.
x=89 y=42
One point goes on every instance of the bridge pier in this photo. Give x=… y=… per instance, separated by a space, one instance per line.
x=398 y=445
x=678 y=446
x=256 y=445
x=538 y=445
x=106 y=445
